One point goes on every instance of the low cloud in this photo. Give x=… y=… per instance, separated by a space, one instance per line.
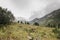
x=52 y=5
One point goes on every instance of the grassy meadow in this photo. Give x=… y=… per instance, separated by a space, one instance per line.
x=17 y=31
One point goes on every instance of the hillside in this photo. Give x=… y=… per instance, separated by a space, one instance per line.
x=51 y=18
x=26 y=32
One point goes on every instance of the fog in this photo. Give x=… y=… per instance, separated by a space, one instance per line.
x=30 y=9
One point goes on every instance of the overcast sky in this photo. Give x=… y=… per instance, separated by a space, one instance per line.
x=27 y=8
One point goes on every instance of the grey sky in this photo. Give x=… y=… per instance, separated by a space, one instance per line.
x=27 y=8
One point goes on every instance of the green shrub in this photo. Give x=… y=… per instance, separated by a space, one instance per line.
x=57 y=33
x=28 y=23
x=37 y=24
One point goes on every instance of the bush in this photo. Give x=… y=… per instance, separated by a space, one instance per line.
x=57 y=33
x=37 y=24
x=21 y=22
x=18 y=21
x=28 y=23
x=51 y=25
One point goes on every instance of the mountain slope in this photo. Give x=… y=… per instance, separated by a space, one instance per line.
x=52 y=18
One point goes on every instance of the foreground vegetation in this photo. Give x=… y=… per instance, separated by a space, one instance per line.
x=17 y=31
x=25 y=31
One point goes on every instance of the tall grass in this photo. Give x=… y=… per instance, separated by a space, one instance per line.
x=17 y=31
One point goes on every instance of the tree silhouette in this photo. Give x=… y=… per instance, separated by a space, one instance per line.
x=6 y=16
